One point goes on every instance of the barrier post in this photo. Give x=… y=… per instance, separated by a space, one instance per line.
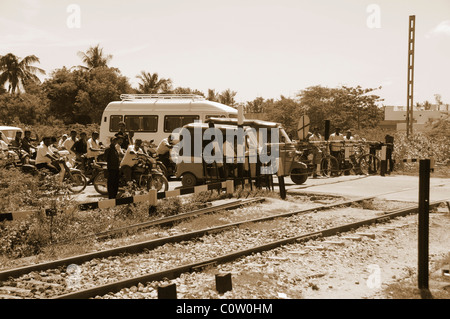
x=152 y=199
x=383 y=160
x=424 y=204
x=280 y=174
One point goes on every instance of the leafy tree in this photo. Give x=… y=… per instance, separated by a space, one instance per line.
x=255 y=106
x=152 y=84
x=94 y=58
x=345 y=107
x=181 y=90
x=25 y=108
x=14 y=71
x=286 y=111
x=80 y=96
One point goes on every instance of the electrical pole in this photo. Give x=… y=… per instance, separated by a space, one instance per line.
x=410 y=89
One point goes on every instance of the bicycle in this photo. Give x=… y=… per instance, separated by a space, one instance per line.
x=361 y=162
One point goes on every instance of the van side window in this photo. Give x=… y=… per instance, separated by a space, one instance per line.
x=209 y=116
x=172 y=122
x=141 y=123
x=114 y=122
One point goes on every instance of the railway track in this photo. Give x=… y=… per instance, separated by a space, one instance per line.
x=27 y=274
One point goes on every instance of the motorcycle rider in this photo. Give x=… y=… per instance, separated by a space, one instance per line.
x=163 y=150
x=45 y=156
x=27 y=144
x=129 y=159
x=79 y=148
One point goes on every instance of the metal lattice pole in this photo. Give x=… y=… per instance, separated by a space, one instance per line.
x=410 y=89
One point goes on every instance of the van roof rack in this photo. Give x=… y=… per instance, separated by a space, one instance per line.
x=160 y=96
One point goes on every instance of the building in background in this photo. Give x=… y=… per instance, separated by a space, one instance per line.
x=395 y=116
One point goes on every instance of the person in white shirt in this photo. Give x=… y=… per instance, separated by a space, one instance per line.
x=45 y=156
x=317 y=152
x=337 y=144
x=61 y=141
x=163 y=150
x=130 y=159
x=67 y=145
x=93 y=147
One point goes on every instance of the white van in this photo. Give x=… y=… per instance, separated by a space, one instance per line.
x=155 y=116
x=9 y=133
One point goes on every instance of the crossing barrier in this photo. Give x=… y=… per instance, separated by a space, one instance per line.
x=153 y=196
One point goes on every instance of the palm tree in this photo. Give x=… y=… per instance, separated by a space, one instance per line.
x=151 y=84
x=94 y=58
x=212 y=95
x=16 y=73
x=227 y=97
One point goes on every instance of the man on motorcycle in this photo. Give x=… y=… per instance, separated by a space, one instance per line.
x=27 y=144
x=130 y=159
x=45 y=156
x=93 y=148
x=79 y=148
x=163 y=150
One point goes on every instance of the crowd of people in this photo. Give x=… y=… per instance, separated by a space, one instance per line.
x=337 y=144
x=81 y=151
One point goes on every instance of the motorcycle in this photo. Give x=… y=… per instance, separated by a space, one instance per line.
x=74 y=179
x=143 y=175
x=168 y=168
x=18 y=158
x=90 y=169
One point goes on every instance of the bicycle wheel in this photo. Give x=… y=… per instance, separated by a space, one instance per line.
x=101 y=183
x=76 y=183
x=369 y=164
x=329 y=166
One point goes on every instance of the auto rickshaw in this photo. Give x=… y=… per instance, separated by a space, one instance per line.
x=280 y=154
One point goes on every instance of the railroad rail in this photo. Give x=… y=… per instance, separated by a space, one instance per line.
x=198 y=265
x=177 y=271
x=151 y=244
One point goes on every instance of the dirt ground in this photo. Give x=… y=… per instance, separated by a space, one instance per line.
x=386 y=266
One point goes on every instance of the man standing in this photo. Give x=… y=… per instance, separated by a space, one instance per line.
x=336 y=140
x=349 y=150
x=113 y=166
x=126 y=139
x=316 y=138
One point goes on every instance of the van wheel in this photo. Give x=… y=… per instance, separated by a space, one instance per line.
x=188 y=180
x=299 y=176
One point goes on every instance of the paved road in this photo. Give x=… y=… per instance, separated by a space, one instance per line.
x=406 y=187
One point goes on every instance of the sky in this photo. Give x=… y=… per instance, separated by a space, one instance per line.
x=257 y=48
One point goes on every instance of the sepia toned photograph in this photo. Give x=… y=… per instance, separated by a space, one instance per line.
x=235 y=157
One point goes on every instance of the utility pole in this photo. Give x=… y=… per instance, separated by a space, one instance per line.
x=410 y=89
